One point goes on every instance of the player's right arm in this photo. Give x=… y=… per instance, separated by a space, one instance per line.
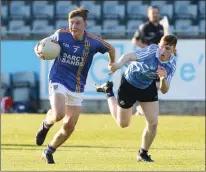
x=139 y=55
x=53 y=36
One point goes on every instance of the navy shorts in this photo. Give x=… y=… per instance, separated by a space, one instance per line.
x=128 y=94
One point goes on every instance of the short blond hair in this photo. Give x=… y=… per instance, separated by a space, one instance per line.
x=79 y=11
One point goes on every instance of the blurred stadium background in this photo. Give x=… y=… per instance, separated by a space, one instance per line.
x=99 y=143
x=24 y=76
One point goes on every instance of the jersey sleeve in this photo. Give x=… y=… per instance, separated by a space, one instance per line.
x=146 y=52
x=103 y=46
x=171 y=72
x=55 y=36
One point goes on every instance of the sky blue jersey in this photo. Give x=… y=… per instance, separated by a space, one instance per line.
x=71 y=67
x=143 y=71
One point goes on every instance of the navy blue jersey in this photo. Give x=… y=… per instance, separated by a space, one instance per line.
x=143 y=71
x=71 y=67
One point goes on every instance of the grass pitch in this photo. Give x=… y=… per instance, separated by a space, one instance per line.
x=99 y=144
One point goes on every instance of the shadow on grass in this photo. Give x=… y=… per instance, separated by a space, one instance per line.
x=35 y=147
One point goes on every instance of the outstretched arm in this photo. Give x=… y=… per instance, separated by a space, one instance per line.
x=122 y=60
x=111 y=54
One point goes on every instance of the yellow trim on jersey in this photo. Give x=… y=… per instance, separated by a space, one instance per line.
x=62 y=30
x=99 y=39
x=85 y=55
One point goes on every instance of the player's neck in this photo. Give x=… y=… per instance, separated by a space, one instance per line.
x=154 y=23
x=164 y=59
x=79 y=37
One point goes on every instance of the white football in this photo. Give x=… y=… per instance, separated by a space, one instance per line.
x=49 y=48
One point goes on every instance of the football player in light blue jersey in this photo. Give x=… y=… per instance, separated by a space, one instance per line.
x=138 y=84
x=67 y=78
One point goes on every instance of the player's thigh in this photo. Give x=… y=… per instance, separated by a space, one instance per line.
x=151 y=111
x=125 y=94
x=125 y=100
x=124 y=115
x=57 y=98
x=73 y=104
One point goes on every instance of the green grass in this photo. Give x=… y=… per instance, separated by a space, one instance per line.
x=99 y=144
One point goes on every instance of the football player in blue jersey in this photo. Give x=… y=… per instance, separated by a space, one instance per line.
x=67 y=78
x=138 y=84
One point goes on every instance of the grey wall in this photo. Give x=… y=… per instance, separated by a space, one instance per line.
x=166 y=107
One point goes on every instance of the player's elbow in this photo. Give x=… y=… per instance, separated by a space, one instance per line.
x=164 y=91
x=111 y=50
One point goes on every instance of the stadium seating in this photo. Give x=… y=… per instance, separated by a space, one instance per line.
x=165 y=9
x=3 y=30
x=19 y=27
x=135 y=9
x=25 y=90
x=132 y=26
x=202 y=27
x=5 y=84
x=4 y=12
x=183 y=9
x=185 y=27
x=94 y=9
x=63 y=8
x=42 y=9
x=42 y=27
x=93 y=28
x=112 y=9
x=201 y=7
x=25 y=78
x=19 y=10
x=61 y=24
x=112 y=27
x=21 y=17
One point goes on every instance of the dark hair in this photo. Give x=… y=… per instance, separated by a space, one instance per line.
x=153 y=7
x=170 y=40
x=79 y=11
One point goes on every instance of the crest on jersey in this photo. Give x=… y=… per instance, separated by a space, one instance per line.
x=122 y=102
x=76 y=48
x=55 y=87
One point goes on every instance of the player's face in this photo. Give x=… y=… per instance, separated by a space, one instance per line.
x=166 y=51
x=154 y=15
x=77 y=26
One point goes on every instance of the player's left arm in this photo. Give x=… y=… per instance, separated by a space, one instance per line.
x=103 y=47
x=111 y=54
x=121 y=61
x=165 y=79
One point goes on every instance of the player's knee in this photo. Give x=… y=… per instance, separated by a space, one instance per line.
x=58 y=115
x=68 y=127
x=123 y=124
x=153 y=126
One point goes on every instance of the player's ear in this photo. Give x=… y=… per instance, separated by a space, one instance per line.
x=174 y=50
x=85 y=24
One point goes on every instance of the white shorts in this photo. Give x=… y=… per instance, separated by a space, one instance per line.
x=71 y=98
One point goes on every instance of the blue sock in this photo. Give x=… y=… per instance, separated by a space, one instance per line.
x=49 y=149
x=109 y=93
x=143 y=151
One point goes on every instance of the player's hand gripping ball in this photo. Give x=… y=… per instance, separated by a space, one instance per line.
x=47 y=49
